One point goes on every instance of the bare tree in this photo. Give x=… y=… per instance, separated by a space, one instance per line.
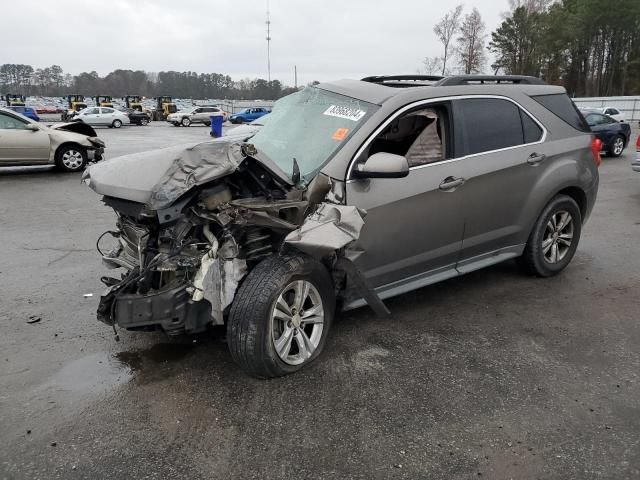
x=432 y=65
x=471 y=48
x=445 y=30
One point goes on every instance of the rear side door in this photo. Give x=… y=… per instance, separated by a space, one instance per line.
x=92 y=116
x=108 y=115
x=502 y=156
x=19 y=145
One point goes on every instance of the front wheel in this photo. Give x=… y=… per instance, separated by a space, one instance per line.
x=144 y=122
x=617 y=146
x=281 y=316
x=554 y=238
x=71 y=158
x=186 y=122
x=116 y=123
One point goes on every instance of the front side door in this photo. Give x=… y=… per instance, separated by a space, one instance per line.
x=18 y=145
x=414 y=225
x=502 y=157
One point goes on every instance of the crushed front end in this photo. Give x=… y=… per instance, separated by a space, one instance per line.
x=183 y=263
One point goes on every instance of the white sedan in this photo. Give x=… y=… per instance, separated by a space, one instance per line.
x=102 y=116
x=611 y=111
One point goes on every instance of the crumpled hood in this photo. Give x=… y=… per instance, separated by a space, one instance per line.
x=75 y=127
x=159 y=177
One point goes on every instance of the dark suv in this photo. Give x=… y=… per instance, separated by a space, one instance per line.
x=353 y=192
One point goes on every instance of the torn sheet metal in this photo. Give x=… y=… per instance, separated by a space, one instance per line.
x=361 y=285
x=220 y=283
x=194 y=165
x=328 y=229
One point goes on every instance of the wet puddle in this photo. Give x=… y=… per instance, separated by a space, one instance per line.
x=92 y=374
x=101 y=372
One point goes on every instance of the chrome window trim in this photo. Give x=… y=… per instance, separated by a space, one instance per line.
x=419 y=103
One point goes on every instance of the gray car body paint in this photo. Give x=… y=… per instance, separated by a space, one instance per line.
x=330 y=228
x=444 y=233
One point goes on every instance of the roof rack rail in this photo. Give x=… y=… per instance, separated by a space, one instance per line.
x=402 y=78
x=488 y=79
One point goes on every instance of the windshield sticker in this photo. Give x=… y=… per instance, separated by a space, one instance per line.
x=340 y=134
x=345 y=112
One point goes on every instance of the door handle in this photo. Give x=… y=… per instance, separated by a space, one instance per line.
x=451 y=183
x=536 y=158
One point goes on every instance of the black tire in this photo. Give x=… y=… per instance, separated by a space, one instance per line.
x=616 y=147
x=535 y=259
x=71 y=158
x=186 y=122
x=207 y=124
x=250 y=327
x=176 y=124
x=116 y=123
x=144 y=122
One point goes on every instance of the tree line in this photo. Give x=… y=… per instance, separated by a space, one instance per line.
x=591 y=47
x=52 y=81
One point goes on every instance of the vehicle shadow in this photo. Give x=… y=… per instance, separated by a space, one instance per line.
x=30 y=171
x=442 y=307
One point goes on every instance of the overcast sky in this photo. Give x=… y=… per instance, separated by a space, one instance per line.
x=326 y=39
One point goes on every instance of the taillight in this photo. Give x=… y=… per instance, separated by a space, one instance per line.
x=638 y=144
x=596 y=146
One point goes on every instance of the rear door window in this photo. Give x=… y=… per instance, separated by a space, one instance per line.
x=488 y=124
x=532 y=131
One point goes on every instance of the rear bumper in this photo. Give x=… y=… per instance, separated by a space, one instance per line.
x=635 y=166
x=171 y=310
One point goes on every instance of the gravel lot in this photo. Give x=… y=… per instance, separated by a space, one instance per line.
x=494 y=374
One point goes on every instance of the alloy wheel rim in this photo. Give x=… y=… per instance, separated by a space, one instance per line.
x=297 y=322
x=72 y=159
x=558 y=237
x=618 y=146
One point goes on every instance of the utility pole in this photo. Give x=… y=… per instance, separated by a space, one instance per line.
x=268 y=43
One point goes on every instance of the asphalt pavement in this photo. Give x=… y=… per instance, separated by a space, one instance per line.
x=491 y=375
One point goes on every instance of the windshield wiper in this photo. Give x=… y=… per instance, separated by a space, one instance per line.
x=295 y=176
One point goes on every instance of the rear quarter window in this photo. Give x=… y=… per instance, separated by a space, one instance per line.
x=562 y=107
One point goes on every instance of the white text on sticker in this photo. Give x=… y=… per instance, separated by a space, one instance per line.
x=345 y=112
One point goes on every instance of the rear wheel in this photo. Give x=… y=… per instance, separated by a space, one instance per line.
x=281 y=316
x=617 y=146
x=186 y=122
x=71 y=158
x=116 y=123
x=144 y=122
x=554 y=238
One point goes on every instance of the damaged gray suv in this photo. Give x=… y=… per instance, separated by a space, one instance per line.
x=353 y=192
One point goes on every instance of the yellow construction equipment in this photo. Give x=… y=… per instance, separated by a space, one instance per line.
x=76 y=103
x=14 y=100
x=164 y=106
x=103 y=101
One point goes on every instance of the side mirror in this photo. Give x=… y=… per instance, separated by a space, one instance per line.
x=32 y=127
x=383 y=165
